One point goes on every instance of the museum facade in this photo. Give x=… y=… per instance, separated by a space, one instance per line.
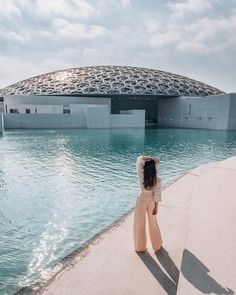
x=115 y=97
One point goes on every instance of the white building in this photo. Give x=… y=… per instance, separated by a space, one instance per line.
x=115 y=97
x=211 y=112
x=30 y=111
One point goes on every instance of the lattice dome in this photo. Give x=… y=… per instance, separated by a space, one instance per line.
x=110 y=80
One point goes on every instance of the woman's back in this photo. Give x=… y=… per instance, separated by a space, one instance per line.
x=155 y=190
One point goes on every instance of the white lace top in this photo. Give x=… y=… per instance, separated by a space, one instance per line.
x=157 y=188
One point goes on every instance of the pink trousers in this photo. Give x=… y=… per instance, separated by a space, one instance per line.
x=143 y=208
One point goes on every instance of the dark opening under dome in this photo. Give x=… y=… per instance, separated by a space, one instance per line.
x=110 y=81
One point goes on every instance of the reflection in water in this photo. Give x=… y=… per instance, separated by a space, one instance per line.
x=58 y=188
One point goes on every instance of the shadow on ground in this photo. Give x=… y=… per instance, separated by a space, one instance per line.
x=192 y=269
x=197 y=274
x=168 y=282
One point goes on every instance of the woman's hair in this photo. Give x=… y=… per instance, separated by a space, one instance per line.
x=149 y=174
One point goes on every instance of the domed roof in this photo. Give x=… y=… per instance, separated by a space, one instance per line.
x=110 y=80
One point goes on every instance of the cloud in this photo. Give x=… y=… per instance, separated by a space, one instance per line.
x=195 y=38
x=9 y=10
x=180 y=9
x=11 y=36
x=14 y=69
x=125 y=3
x=152 y=25
x=70 y=9
x=193 y=47
x=200 y=35
x=165 y=38
x=90 y=52
x=17 y=69
x=206 y=28
x=78 y=31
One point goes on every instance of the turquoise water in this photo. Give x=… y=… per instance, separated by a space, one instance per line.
x=59 y=188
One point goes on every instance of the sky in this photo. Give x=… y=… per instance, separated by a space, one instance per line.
x=194 y=38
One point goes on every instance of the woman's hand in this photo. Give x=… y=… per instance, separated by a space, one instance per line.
x=154 y=211
x=157 y=160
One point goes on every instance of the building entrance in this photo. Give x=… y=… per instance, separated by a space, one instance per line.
x=149 y=105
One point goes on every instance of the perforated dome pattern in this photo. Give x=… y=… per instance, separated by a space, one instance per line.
x=110 y=80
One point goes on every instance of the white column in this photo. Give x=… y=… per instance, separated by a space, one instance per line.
x=1 y=124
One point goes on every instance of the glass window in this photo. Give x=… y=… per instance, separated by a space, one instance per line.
x=66 y=111
x=27 y=111
x=14 y=111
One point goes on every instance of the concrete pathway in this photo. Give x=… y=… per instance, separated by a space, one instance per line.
x=197 y=219
x=209 y=259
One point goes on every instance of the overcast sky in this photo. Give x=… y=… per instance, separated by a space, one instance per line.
x=195 y=38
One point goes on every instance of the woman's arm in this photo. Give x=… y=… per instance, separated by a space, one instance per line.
x=154 y=211
x=157 y=196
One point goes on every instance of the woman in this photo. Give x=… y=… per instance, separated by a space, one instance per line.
x=147 y=202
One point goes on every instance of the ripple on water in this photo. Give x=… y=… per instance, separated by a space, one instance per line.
x=58 y=188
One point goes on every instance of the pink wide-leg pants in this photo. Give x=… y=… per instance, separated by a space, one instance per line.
x=143 y=208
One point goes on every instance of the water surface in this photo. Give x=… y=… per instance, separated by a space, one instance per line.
x=58 y=188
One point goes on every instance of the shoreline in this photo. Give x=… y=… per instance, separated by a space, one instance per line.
x=179 y=223
x=69 y=260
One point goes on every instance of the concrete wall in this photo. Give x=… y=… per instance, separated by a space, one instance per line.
x=130 y=119
x=1 y=105
x=28 y=121
x=1 y=124
x=14 y=101
x=211 y=112
x=92 y=117
x=40 y=109
x=232 y=112
x=97 y=117
x=78 y=108
x=85 y=112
